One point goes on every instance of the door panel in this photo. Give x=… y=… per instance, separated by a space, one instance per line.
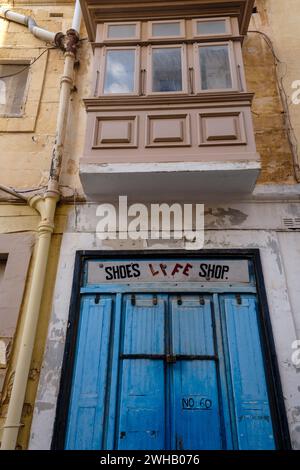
x=196 y=413
x=142 y=397
x=144 y=324
x=192 y=328
x=87 y=404
x=142 y=405
x=251 y=404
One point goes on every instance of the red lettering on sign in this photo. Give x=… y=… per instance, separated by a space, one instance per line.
x=186 y=269
x=176 y=268
x=153 y=272
x=163 y=267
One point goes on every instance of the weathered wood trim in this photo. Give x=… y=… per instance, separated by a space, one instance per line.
x=91 y=104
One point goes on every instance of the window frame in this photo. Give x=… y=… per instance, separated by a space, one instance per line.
x=184 y=71
x=35 y=86
x=136 y=90
x=228 y=29
x=137 y=37
x=180 y=36
x=232 y=63
x=24 y=63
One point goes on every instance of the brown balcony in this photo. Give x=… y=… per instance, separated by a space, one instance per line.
x=170 y=113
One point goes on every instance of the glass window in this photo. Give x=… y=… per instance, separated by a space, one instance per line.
x=119 y=31
x=206 y=28
x=215 y=67
x=120 y=71
x=166 y=29
x=166 y=69
x=13 y=79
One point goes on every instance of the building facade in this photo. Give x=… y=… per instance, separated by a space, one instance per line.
x=145 y=339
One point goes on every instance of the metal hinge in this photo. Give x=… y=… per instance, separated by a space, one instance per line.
x=238 y=299
x=97 y=299
x=154 y=300
x=133 y=300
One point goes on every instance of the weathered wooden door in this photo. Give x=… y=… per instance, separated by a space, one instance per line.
x=188 y=375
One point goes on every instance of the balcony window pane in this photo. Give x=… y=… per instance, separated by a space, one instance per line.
x=120 y=71
x=166 y=29
x=119 y=31
x=206 y=28
x=12 y=88
x=215 y=67
x=167 y=69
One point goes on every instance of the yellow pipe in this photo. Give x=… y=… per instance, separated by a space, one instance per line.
x=46 y=206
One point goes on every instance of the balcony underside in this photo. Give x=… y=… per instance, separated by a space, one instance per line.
x=169 y=181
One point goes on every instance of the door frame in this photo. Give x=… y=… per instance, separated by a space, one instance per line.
x=277 y=406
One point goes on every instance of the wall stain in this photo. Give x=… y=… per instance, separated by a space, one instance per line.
x=218 y=217
x=43 y=406
x=275 y=250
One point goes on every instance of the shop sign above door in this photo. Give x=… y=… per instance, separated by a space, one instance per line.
x=183 y=270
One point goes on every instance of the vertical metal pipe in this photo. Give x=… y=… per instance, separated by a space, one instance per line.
x=77 y=17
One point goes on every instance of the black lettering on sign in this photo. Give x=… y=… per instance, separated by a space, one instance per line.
x=109 y=275
x=225 y=271
x=136 y=270
x=196 y=403
x=203 y=268
x=126 y=271
x=213 y=271
x=115 y=270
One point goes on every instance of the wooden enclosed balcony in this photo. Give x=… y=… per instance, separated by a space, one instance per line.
x=170 y=112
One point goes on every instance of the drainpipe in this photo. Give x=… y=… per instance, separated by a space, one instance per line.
x=28 y=21
x=46 y=207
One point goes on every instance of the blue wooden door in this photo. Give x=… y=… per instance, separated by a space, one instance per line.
x=246 y=376
x=87 y=404
x=142 y=422
x=169 y=394
x=195 y=394
x=176 y=372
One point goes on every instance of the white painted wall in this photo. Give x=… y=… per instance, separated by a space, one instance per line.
x=290 y=249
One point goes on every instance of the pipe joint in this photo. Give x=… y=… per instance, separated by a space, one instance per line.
x=46 y=226
x=66 y=79
x=59 y=40
x=31 y=23
x=12 y=426
x=72 y=41
x=4 y=12
x=68 y=42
